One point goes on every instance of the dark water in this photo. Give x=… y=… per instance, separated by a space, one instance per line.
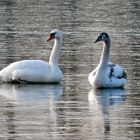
x=72 y=110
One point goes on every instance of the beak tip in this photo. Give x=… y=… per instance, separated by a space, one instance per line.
x=95 y=41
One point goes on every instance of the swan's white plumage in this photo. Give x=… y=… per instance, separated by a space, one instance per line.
x=36 y=71
x=107 y=74
x=105 y=80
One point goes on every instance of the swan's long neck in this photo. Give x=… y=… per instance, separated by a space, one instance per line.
x=55 y=54
x=105 y=55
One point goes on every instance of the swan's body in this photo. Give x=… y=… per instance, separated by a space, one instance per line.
x=106 y=74
x=36 y=71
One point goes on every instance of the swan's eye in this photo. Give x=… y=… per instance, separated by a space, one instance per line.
x=100 y=38
x=103 y=35
x=52 y=34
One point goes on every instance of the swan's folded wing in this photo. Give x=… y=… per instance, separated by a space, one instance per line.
x=117 y=71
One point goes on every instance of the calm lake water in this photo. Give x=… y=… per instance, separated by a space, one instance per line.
x=71 y=110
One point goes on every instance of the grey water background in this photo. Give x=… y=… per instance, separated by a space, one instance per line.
x=71 y=110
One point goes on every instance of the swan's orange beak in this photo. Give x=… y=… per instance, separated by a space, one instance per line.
x=50 y=37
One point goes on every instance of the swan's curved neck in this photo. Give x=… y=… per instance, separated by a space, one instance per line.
x=55 y=54
x=105 y=55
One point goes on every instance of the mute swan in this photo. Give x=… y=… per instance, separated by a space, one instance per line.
x=107 y=74
x=36 y=71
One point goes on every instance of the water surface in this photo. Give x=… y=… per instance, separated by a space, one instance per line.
x=71 y=110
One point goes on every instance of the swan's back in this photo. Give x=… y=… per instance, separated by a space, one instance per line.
x=26 y=70
x=25 y=64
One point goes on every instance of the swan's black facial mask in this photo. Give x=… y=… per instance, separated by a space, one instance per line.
x=52 y=36
x=102 y=37
x=98 y=39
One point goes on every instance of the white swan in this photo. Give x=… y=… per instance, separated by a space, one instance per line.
x=107 y=74
x=36 y=71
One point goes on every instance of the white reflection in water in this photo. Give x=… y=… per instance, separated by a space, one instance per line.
x=100 y=100
x=31 y=93
x=30 y=109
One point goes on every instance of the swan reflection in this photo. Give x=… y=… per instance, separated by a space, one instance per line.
x=36 y=104
x=31 y=93
x=102 y=99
